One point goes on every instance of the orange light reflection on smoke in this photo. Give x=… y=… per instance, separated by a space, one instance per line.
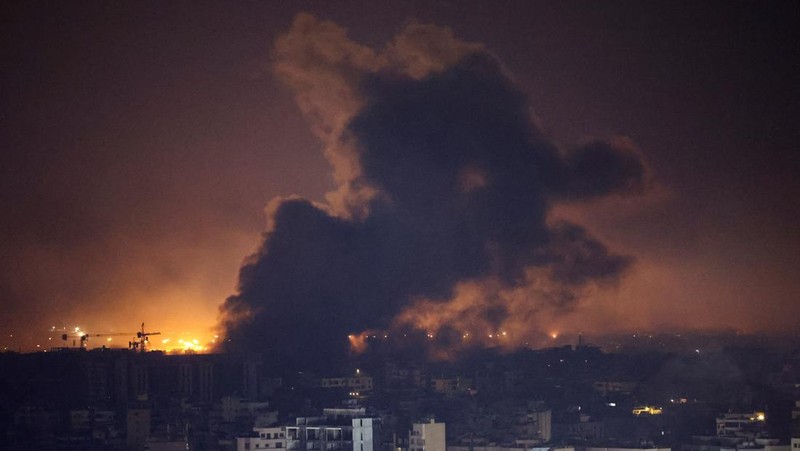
x=358 y=342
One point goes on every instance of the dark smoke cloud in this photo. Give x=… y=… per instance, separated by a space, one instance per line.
x=461 y=181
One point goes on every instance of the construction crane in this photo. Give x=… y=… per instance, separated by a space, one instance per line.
x=84 y=337
x=141 y=339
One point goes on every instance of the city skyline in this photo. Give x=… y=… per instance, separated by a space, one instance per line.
x=147 y=146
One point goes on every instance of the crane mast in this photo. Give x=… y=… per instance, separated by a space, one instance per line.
x=142 y=340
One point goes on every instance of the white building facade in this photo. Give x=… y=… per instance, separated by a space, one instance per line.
x=366 y=434
x=427 y=437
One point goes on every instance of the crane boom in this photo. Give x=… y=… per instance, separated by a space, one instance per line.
x=84 y=337
x=142 y=339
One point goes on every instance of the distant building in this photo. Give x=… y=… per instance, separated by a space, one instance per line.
x=366 y=434
x=233 y=408
x=355 y=384
x=749 y=425
x=331 y=432
x=515 y=447
x=405 y=374
x=175 y=445
x=736 y=444
x=138 y=428
x=534 y=427
x=582 y=430
x=87 y=419
x=590 y=448
x=608 y=387
x=268 y=438
x=451 y=385
x=427 y=437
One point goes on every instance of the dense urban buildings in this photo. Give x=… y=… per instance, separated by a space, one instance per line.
x=742 y=397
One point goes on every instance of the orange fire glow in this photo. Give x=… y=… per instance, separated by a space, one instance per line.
x=529 y=311
x=358 y=342
x=197 y=339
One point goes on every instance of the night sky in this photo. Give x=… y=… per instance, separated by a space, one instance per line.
x=521 y=167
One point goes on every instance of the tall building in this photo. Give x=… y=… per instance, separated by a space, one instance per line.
x=427 y=437
x=138 y=427
x=366 y=434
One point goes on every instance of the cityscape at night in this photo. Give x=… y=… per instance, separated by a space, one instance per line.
x=400 y=226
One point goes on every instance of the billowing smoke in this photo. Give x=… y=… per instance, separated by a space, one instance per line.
x=439 y=222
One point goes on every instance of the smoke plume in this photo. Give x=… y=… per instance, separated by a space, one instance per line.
x=439 y=222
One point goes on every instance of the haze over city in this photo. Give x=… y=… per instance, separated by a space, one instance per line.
x=303 y=175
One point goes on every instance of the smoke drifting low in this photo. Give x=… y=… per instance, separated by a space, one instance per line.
x=439 y=222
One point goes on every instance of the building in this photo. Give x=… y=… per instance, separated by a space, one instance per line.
x=589 y=448
x=427 y=437
x=749 y=425
x=515 y=447
x=138 y=428
x=355 y=384
x=451 y=385
x=608 y=387
x=333 y=431
x=233 y=408
x=534 y=427
x=268 y=438
x=736 y=444
x=366 y=434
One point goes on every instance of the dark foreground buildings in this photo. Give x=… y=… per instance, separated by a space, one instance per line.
x=115 y=398
x=575 y=398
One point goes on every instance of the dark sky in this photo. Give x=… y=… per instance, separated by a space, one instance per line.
x=142 y=141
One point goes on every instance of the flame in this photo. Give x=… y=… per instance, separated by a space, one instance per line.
x=192 y=345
